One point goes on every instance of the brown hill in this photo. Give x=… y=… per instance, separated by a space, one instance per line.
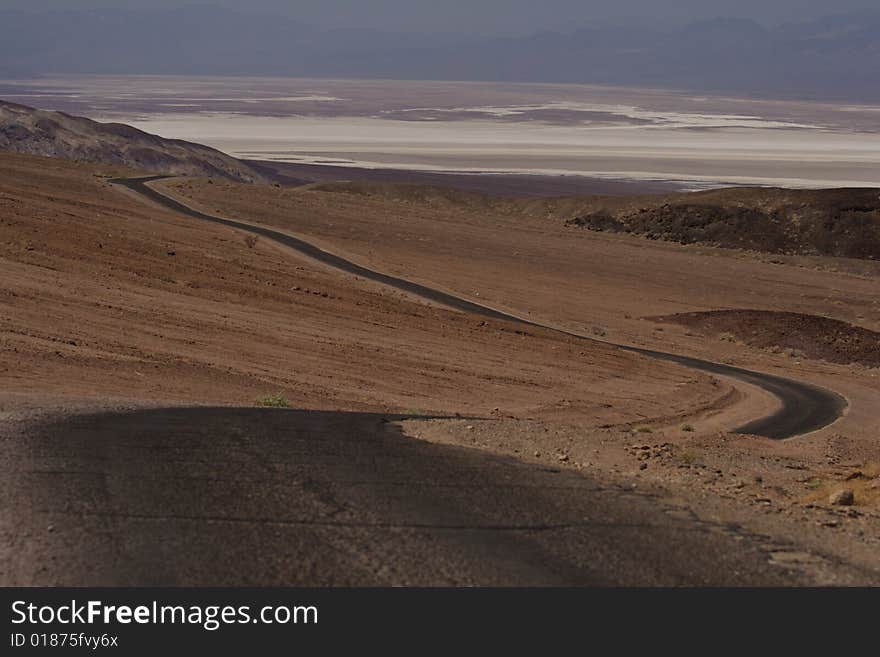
x=40 y=132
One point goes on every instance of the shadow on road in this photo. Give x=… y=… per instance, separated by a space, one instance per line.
x=243 y=496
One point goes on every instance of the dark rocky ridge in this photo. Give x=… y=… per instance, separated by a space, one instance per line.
x=809 y=335
x=839 y=222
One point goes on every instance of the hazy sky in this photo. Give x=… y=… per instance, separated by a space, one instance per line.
x=493 y=16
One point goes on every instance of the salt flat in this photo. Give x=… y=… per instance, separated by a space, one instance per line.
x=637 y=134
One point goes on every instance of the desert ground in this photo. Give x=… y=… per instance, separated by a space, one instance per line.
x=113 y=307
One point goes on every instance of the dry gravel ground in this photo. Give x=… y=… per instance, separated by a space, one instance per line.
x=107 y=298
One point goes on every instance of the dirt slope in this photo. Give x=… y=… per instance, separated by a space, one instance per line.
x=103 y=295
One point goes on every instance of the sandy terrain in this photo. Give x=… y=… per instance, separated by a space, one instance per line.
x=106 y=296
x=109 y=300
x=610 y=285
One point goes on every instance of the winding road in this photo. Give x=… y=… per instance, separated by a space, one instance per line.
x=224 y=496
x=804 y=407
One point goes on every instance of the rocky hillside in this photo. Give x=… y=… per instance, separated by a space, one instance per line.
x=39 y=132
x=836 y=222
x=793 y=333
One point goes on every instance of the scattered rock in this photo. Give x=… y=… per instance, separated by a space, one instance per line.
x=643 y=466
x=842 y=497
x=875 y=484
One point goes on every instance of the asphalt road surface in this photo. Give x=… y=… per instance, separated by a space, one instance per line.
x=804 y=407
x=225 y=496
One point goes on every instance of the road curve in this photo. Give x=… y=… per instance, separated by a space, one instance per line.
x=804 y=407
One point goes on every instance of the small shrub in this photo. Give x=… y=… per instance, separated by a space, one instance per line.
x=273 y=401
x=599 y=331
x=645 y=430
x=251 y=240
x=813 y=483
x=687 y=427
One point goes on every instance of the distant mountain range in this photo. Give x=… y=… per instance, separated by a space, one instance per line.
x=837 y=56
x=55 y=134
